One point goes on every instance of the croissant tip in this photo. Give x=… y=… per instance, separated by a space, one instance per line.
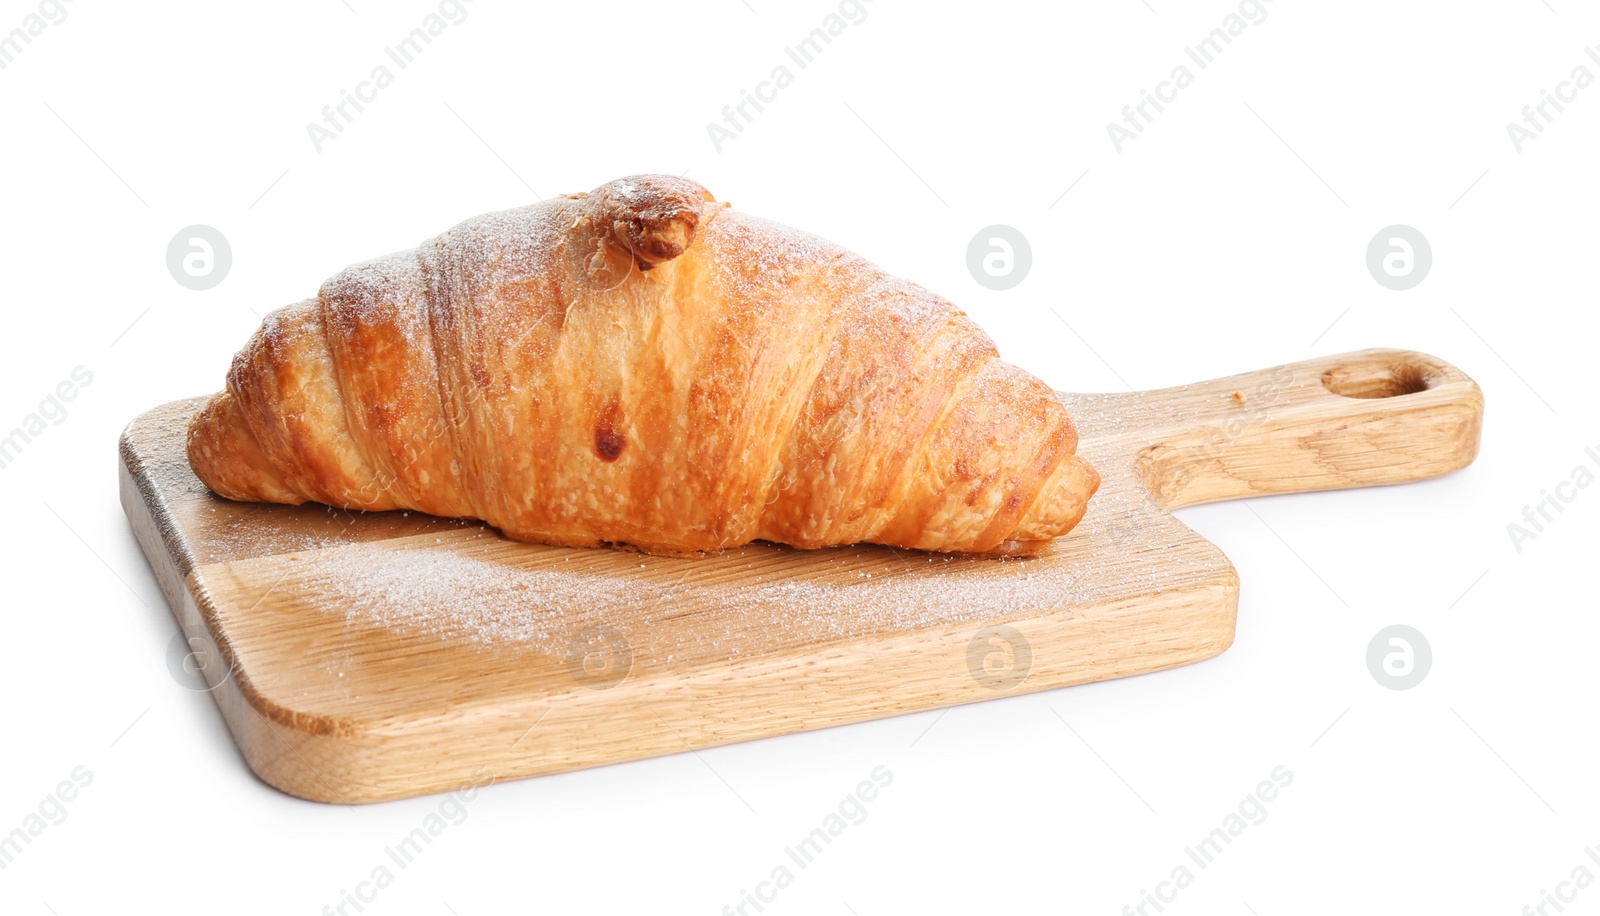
x=652 y=217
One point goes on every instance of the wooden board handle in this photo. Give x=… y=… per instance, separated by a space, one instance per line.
x=1355 y=420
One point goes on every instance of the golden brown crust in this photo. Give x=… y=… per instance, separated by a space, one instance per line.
x=644 y=366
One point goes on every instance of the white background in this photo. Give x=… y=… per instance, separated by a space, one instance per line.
x=1230 y=236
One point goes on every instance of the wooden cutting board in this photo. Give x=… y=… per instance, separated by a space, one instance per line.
x=361 y=657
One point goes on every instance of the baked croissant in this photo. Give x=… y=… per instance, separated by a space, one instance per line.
x=643 y=366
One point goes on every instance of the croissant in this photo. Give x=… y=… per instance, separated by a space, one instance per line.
x=645 y=367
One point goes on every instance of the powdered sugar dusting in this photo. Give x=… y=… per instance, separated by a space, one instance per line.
x=750 y=255
x=495 y=595
x=459 y=596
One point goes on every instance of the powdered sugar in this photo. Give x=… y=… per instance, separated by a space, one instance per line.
x=482 y=591
x=411 y=589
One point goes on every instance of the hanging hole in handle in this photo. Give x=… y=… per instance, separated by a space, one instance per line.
x=1385 y=379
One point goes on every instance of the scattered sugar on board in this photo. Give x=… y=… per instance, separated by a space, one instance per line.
x=485 y=598
x=459 y=596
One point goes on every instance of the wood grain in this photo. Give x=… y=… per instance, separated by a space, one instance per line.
x=361 y=657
